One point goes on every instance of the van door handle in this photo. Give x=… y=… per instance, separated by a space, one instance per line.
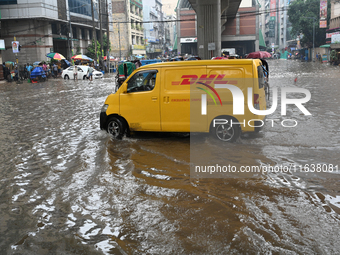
x=166 y=99
x=154 y=98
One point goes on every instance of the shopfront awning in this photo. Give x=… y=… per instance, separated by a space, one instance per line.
x=261 y=40
x=325 y=46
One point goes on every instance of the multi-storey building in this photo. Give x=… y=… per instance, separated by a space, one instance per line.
x=186 y=28
x=43 y=26
x=128 y=30
x=277 y=25
x=169 y=8
x=170 y=31
x=154 y=28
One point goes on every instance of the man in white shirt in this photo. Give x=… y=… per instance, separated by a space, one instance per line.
x=90 y=71
x=75 y=72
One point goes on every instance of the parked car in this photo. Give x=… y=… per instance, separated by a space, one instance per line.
x=82 y=73
x=193 y=58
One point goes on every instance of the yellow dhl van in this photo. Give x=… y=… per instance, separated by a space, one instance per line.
x=189 y=96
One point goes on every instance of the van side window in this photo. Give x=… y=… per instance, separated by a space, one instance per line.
x=142 y=81
x=261 y=76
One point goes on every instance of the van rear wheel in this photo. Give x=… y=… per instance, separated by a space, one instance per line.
x=227 y=132
x=116 y=127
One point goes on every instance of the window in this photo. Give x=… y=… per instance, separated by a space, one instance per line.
x=81 y=7
x=83 y=34
x=74 y=33
x=5 y=2
x=54 y=28
x=142 y=81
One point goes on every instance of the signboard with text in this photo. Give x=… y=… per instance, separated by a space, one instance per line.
x=188 y=40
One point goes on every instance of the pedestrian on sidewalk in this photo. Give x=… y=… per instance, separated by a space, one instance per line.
x=55 y=70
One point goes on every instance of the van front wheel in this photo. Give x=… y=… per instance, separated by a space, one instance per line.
x=116 y=127
x=227 y=132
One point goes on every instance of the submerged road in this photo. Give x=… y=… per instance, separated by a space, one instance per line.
x=67 y=188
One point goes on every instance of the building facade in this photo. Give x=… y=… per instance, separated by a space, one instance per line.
x=43 y=26
x=154 y=28
x=128 y=29
x=333 y=33
x=186 y=28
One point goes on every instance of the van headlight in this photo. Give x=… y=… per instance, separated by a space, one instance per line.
x=104 y=108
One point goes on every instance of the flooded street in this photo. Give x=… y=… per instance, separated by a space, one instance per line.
x=66 y=187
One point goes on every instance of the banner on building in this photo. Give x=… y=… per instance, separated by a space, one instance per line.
x=272 y=8
x=15 y=46
x=335 y=38
x=323 y=13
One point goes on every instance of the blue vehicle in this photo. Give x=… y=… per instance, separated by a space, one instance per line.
x=150 y=61
x=38 y=74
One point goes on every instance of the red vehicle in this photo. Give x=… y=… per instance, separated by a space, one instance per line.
x=220 y=58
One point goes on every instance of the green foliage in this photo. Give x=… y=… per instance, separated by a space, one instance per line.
x=334 y=55
x=91 y=48
x=301 y=14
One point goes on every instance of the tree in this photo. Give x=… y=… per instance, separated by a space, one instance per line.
x=91 y=50
x=301 y=14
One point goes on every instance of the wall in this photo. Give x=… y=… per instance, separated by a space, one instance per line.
x=35 y=38
x=30 y=9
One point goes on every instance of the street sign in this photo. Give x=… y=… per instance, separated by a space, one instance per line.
x=211 y=46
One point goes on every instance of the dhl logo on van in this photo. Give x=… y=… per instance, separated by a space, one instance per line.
x=205 y=81
x=212 y=79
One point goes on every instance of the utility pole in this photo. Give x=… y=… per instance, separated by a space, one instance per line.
x=101 y=33
x=70 y=33
x=108 y=37
x=313 y=39
x=313 y=55
x=94 y=30
x=120 y=49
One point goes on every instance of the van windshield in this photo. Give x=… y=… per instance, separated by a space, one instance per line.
x=142 y=81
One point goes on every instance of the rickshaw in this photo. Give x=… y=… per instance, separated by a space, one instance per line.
x=123 y=71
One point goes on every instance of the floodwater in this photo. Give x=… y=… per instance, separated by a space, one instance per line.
x=67 y=188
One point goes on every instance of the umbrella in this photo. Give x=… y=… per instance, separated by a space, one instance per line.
x=111 y=58
x=267 y=54
x=55 y=55
x=259 y=54
x=82 y=57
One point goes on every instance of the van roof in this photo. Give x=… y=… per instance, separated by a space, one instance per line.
x=204 y=63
